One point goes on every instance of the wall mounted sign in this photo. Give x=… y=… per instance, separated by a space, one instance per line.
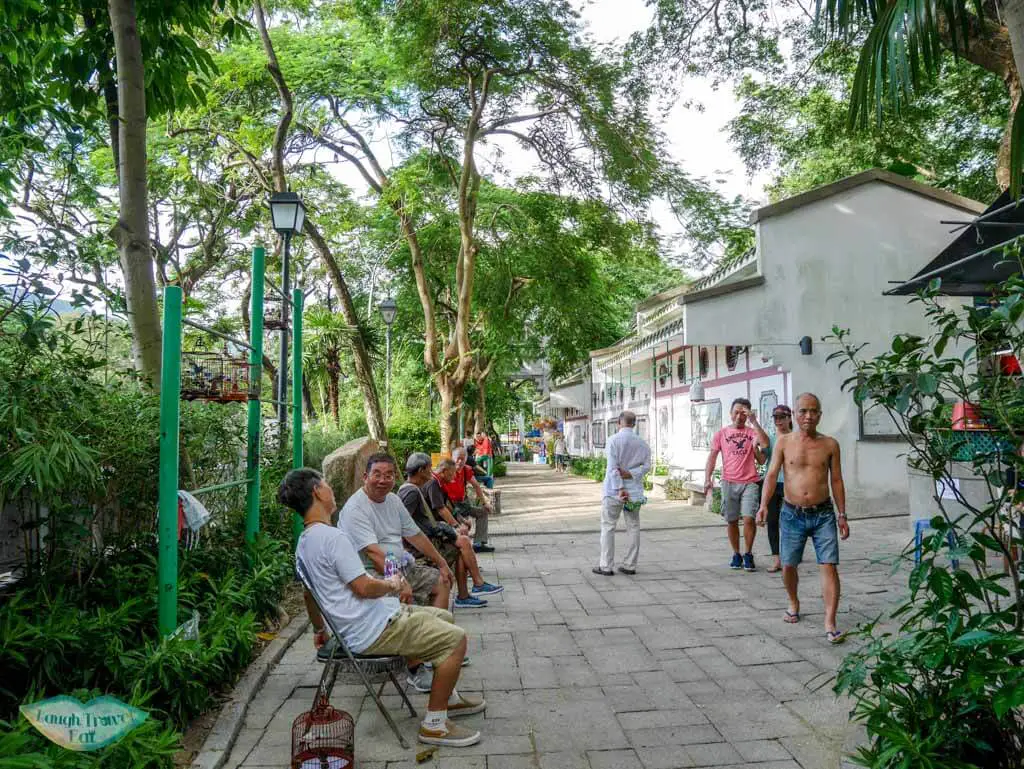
x=80 y=726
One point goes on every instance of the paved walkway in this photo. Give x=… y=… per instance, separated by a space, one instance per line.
x=687 y=664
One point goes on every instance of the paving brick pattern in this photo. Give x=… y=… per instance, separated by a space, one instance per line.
x=686 y=664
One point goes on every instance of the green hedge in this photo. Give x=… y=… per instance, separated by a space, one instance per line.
x=56 y=636
x=589 y=467
x=500 y=468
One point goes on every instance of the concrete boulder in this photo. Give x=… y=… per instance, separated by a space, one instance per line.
x=343 y=468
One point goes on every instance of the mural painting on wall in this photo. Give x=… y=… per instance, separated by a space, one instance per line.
x=769 y=400
x=664 y=430
x=705 y=421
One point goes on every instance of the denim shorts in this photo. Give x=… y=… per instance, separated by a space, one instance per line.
x=795 y=528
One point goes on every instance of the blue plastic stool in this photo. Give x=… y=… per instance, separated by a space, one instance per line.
x=920 y=526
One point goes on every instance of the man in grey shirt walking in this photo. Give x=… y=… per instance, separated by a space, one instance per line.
x=629 y=460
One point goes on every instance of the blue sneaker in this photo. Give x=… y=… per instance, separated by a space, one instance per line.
x=748 y=562
x=487 y=589
x=469 y=602
x=736 y=562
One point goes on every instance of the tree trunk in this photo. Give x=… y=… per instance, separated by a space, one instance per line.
x=333 y=392
x=132 y=230
x=307 y=400
x=360 y=357
x=1013 y=18
x=1003 y=158
x=480 y=412
x=450 y=391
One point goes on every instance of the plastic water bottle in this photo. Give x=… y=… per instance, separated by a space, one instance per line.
x=390 y=565
x=405 y=562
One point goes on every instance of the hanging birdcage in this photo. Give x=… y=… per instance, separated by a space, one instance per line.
x=323 y=738
x=216 y=376
x=273 y=318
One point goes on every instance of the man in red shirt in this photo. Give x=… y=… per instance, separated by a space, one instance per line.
x=742 y=446
x=456 y=491
x=484 y=449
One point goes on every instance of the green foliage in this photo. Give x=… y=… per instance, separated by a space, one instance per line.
x=55 y=637
x=500 y=468
x=408 y=433
x=796 y=126
x=939 y=680
x=151 y=745
x=589 y=467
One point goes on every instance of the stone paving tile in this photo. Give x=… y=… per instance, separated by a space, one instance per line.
x=713 y=754
x=614 y=759
x=647 y=672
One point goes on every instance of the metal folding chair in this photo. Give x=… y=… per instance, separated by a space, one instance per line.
x=336 y=658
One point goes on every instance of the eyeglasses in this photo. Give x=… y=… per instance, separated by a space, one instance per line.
x=777 y=417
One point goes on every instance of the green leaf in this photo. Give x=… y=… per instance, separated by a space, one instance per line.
x=974 y=638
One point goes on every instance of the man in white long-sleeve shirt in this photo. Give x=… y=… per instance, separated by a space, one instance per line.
x=629 y=460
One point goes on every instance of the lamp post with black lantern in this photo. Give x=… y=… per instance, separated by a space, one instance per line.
x=288 y=214
x=388 y=310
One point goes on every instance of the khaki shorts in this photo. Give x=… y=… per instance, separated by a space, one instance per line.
x=420 y=633
x=422 y=579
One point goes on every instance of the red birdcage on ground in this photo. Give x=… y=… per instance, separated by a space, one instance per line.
x=323 y=738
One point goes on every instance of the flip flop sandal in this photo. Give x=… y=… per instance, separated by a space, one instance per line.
x=791 y=617
x=835 y=637
x=773 y=569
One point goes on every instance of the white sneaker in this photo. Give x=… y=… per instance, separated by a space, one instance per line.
x=421 y=680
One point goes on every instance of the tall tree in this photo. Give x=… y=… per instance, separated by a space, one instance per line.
x=461 y=79
x=132 y=230
x=795 y=127
x=69 y=68
x=901 y=45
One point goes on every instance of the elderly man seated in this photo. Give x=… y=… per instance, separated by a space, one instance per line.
x=376 y=521
x=456 y=491
x=430 y=509
x=368 y=614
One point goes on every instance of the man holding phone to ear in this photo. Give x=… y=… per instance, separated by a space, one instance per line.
x=742 y=446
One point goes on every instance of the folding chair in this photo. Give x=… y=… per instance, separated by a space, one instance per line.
x=337 y=657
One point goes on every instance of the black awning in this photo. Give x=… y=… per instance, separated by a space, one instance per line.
x=973 y=262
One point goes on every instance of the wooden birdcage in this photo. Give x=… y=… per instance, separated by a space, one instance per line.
x=323 y=738
x=216 y=376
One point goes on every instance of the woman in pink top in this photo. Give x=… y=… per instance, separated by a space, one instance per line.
x=742 y=448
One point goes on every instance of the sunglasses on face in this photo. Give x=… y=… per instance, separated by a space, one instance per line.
x=777 y=417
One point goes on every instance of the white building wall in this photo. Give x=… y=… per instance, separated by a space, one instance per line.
x=827 y=264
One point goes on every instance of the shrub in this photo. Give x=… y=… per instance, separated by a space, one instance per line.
x=589 y=467
x=408 y=433
x=500 y=468
x=939 y=683
x=151 y=745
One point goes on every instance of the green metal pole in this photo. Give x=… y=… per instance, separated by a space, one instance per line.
x=252 y=460
x=297 y=459
x=167 y=529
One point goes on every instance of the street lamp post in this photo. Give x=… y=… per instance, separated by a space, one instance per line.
x=288 y=215
x=388 y=309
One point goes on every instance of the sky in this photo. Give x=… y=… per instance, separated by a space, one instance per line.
x=699 y=139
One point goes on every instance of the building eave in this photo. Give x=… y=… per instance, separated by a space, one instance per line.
x=865 y=177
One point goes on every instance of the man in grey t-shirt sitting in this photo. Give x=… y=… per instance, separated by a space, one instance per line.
x=367 y=613
x=376 y=522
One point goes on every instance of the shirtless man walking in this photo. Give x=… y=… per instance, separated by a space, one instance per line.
x=812 y=468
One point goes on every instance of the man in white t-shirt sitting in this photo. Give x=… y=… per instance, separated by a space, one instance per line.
x=368 y=614
x=376 y=521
